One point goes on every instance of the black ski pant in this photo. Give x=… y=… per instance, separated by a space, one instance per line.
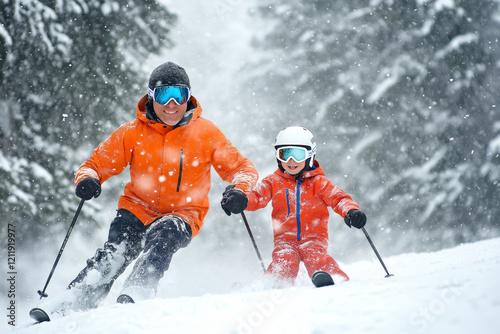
x=127 y=238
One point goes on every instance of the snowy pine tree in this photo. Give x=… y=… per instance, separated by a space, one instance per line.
x=70 y=73
x=404 y=95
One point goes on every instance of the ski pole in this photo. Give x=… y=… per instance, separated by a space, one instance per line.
x=376 y=252
x=253 y=241
x=42 y=293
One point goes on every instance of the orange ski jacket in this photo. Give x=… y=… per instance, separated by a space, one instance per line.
x=169 y=166
x=300 y=206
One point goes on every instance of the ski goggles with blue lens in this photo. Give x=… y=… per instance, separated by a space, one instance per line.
x=164 y=94
x=298 y=154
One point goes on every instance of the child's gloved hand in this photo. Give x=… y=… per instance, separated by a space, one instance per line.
x=355 y=218
x=233 y=200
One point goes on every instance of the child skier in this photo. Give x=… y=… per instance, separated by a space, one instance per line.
x=300 y=195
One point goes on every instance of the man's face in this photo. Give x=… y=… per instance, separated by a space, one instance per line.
x=171 y=113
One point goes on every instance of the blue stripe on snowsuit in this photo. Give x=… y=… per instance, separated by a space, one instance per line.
x=297 y=210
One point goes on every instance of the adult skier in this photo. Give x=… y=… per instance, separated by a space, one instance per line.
x=170 y=149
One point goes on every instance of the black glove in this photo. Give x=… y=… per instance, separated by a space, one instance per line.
x=87 y=188
x=233 y=200
x=355 y=218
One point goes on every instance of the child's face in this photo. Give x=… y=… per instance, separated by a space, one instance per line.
x=293 y=167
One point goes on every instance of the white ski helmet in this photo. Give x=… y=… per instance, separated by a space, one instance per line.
x=297 y=136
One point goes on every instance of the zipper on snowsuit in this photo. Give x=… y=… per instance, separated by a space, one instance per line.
x=180 y=170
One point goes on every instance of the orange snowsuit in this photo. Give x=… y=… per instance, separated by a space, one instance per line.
x=169 y=166
x=300 y=220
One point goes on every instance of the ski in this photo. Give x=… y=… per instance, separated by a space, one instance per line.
x=124 y=299
x=322 y=278
x=39 y=315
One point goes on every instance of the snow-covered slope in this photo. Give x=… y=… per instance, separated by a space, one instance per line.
x=450 y=291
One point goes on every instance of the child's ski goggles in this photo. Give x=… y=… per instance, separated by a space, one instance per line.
x=163 y=95
x=298 y=154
